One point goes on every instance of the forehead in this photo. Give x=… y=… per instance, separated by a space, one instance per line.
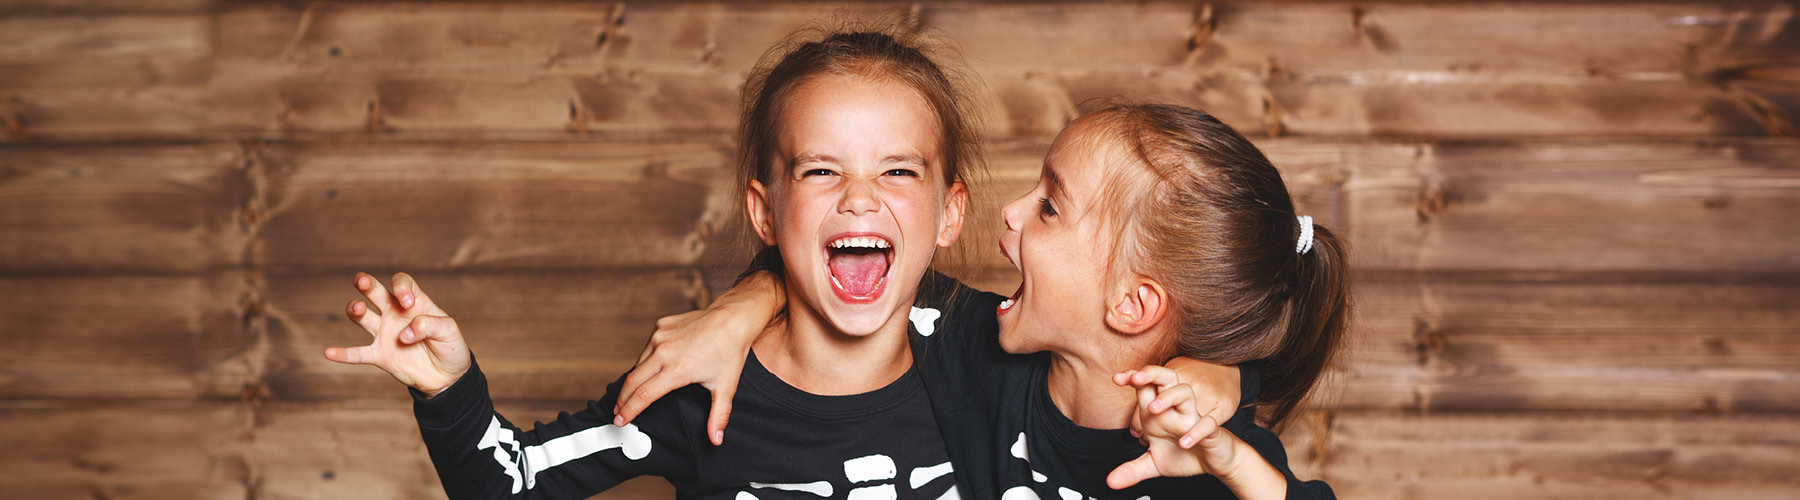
x=1082 y=155
x=858 y=111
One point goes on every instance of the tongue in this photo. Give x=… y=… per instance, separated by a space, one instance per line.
x=859 y=272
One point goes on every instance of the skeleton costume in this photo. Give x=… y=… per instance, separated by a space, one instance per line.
x=784 y=444
x=1009 y=441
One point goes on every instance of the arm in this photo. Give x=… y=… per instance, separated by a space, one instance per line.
x=706 y=346
x=477 y=452
x=1182 y=441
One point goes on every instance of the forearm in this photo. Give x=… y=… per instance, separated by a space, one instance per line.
x=1253 y=478
x=758 y=296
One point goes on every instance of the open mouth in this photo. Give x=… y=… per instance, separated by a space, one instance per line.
x=859 y=265
x=1007 y=305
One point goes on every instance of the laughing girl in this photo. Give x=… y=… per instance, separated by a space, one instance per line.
x=1154 y=232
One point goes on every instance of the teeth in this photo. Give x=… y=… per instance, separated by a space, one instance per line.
x=1006 y=304
x=860 y=242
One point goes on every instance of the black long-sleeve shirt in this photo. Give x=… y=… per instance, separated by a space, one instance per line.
x=1007 y=438
x=783 y=443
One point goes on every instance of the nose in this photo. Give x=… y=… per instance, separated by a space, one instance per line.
x=860 y=197
x=1015 y=212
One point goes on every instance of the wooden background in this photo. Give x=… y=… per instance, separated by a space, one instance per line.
x=1574 y=222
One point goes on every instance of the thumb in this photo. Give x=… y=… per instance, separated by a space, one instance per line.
x=1130 y=473
x=721 y=412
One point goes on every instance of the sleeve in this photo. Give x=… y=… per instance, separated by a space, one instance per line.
x=479 y=454
x=1269 y=446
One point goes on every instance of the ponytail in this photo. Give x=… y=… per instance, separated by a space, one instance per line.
x=1317 y=316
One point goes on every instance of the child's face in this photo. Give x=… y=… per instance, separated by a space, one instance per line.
x=858 y=200
x=1058 y=242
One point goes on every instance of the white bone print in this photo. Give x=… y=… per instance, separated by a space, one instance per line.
x=534 y=459
x=924 y=319
x=868 y=469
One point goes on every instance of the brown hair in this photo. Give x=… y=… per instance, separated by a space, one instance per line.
x=1209 y=217
x=884 y=48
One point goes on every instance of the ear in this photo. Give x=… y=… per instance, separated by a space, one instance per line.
x=1139 y=307
x=762 y=217
x=954 y=207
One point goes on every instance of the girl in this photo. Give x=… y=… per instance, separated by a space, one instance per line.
x=854 y=153
x=1154 y=231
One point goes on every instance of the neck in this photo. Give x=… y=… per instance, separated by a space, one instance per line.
x=1085 y=393
x=807 y=352
x=1081 y=381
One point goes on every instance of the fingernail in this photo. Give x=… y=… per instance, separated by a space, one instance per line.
x=719 y=437
x=618 y=421
x=406 y=300
x=1187 y=442
x=406 y=335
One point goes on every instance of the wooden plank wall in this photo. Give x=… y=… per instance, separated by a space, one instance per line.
x=1574 y=223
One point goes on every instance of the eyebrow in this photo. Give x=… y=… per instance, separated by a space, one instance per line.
x=1061 y=191
x=813 y=157
x=905 y=158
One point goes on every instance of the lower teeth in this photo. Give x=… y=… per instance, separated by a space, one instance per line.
x=1006 y=304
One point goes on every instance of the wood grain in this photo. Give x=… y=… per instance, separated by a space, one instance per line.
x=491 y=205
x=130 y=337
x=1640 y=206
x=561 y=70
x=184 y=451
x=1517 y=345
x=164 y=208
x=1381 y=455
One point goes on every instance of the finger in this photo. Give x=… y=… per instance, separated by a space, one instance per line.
x=721 y=412
x=653 y=389
x=364 y=355
x=435 y=328
x=411 y=296
x=1123 y=378
x=1180 y=396
x=1207 y=426
x=1130 y=473
x=1155 y=375
x=378 y=295
x=633 y=381
x=359 y=313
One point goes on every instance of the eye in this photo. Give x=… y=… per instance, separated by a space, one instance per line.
x=1045 y=208
x=901 y=172
x=817 y=171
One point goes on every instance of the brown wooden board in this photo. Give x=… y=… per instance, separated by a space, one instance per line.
x=1382 y=455
x=490 y=205
x=132 y=337
x=537 y=335
x=125 y=452
x=1505 y=345
x=562 y=70
x=164 y=208
x=1638 y=206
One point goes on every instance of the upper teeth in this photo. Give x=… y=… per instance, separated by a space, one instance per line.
x=859 y=242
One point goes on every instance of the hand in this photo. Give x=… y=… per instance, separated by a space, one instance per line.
x=1183 y=442
x=1217 y=390
x=707 y=347
x=415 y=341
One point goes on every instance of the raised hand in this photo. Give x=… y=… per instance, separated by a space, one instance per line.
x=415 y=341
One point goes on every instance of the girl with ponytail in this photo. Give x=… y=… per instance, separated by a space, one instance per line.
x=1156 y=234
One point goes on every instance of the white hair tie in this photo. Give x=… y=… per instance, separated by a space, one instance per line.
x=1306 y=235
